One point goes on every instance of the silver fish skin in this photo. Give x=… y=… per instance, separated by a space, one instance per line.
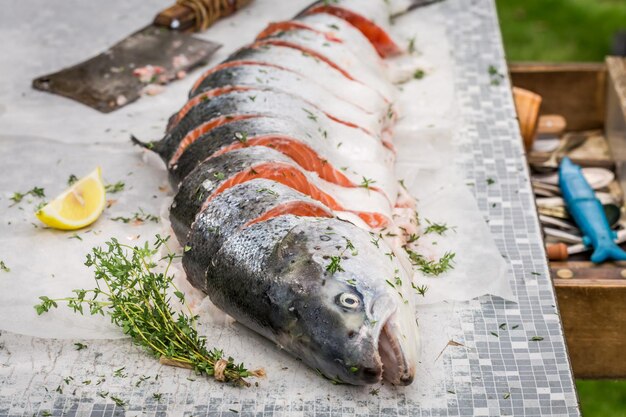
x=263 y=77
x=272 y=104
x=311 y=68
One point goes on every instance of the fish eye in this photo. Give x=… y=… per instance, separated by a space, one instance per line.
x=349 y=300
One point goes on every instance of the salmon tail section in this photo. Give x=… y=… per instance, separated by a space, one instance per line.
x=152 y=146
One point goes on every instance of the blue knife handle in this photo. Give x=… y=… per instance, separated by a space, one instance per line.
x=588 y=213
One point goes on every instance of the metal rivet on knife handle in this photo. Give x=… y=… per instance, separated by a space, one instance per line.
x=197 y=15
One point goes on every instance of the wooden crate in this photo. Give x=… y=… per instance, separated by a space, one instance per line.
x=591 y=298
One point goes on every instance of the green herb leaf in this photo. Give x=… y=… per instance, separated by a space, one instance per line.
x=334 y=265
x=241 y=137
x=431 y=267
x=438 y=228
x=419 y=74
x=115 y=188
x=80 y=346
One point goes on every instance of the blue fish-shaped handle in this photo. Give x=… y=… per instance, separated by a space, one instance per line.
x=588 y=213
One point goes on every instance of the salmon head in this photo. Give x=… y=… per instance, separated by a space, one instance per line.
x=341 y=304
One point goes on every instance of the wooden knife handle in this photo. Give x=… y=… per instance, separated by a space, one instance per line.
x=184 y=15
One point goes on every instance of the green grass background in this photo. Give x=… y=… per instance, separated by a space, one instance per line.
x=568 y=30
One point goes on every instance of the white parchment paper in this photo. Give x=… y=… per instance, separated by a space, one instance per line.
x=45 y=138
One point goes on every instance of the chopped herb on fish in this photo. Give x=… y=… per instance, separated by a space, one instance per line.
x=412 y=238
x=143 y=310
x=334 y=265
x=419 y=74
x=367 y=182
x=267 y=190
x=310 y=115
x=241 y=137
x=219 y=175
x=350 y=247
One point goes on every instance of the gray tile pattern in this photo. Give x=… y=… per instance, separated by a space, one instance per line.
x=499 y=370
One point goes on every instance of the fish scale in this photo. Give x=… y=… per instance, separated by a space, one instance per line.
x=269 y=247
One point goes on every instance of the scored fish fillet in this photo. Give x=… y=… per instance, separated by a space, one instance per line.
x=284 y=163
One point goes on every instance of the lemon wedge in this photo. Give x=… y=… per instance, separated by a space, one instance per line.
x=78 y=206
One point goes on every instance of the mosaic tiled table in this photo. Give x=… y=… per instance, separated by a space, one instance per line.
x=519 y=369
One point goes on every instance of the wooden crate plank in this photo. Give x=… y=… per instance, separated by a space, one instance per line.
x=577 y=91
x=594 y=320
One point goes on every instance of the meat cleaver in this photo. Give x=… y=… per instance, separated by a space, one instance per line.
x=152 y=56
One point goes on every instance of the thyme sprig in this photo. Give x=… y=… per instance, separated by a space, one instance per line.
x=135 y=296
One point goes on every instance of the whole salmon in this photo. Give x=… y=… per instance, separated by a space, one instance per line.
x=283 y=159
